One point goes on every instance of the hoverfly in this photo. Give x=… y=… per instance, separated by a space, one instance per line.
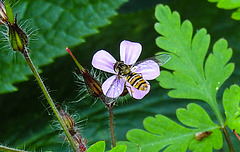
x=132 y=77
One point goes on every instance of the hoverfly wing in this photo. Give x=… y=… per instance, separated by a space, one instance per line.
x=160 y=59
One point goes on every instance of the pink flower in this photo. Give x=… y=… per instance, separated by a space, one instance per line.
x=129 y=53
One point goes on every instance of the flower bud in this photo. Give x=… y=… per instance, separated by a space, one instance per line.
x=18 y=38
x=68 y=120
x=92 y=84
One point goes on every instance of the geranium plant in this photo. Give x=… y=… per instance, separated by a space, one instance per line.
x=193 y=106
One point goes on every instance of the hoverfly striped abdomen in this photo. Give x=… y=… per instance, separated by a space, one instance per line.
x=137 y=81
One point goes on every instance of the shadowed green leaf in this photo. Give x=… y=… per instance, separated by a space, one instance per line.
x=162 y=132
x=60 y=23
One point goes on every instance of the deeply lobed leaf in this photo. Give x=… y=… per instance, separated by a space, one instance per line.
x=190 y=78
x=216 y=68
x=164 y=133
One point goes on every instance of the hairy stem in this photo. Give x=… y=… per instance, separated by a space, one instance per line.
x=230 y=146
x=111 y=124
x=8 y=149
x=49 y=99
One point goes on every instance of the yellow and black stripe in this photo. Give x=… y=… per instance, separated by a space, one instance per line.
x=137 y=81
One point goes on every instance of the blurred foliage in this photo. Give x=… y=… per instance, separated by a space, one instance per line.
x=25 y=114
x=229 y=4
x=60 y=23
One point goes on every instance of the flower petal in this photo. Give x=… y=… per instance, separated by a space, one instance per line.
x=148 y=69
x=135 y=93
x=104 y=61
x=130 y=52
x=113 y=86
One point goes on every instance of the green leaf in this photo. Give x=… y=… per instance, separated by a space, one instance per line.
x=130 y=146
x=236 y=14
x=165 y=133
x=191 y=78
x=229 y=4
x=100 y=147
x=119 y=148
x=60 y=23
x=97 y=147
x=231 y=101
x=213 y=0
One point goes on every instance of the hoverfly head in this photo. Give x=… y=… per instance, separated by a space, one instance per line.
x=121 y=68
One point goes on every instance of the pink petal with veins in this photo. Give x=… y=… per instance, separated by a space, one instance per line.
x=113 y=86
x=130 y=52
x=104 y=61
x=148 y=69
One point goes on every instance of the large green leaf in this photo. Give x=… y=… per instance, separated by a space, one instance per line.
x=60 y=23
x=162 y=132
x=191 y=78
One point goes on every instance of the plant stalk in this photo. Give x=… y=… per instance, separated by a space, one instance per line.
x=8 y=149
x=214 y=106
x=49 y=99
x=230 y=146
x=111 y=125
